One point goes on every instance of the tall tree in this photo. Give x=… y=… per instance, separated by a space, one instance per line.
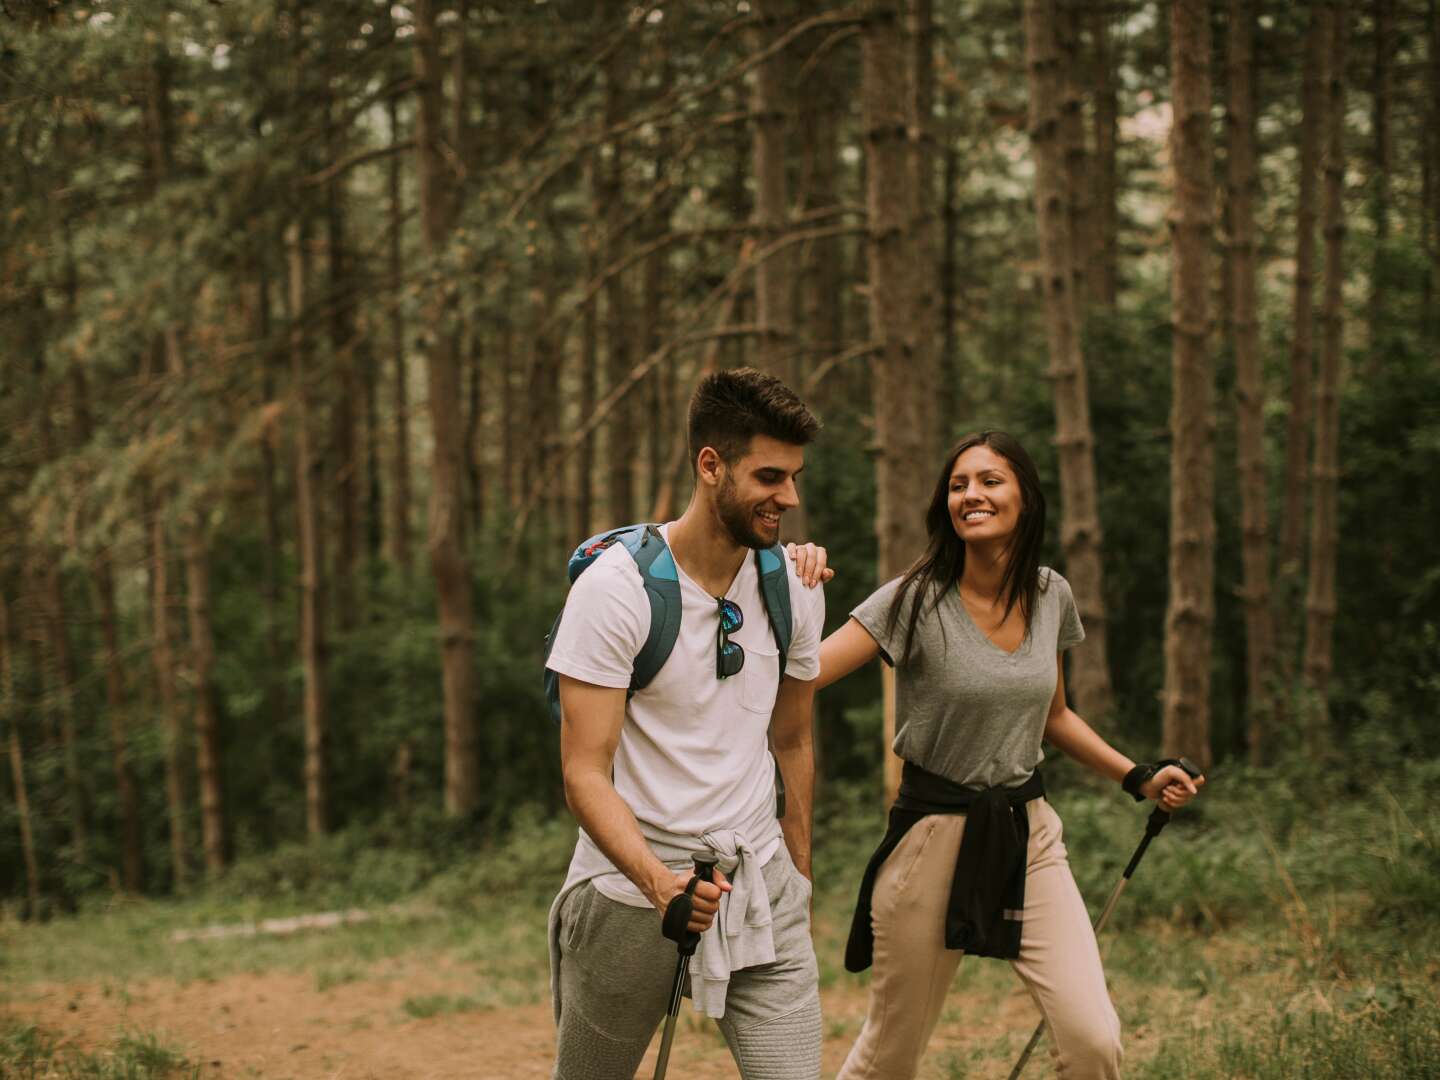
x=1382 y=108
x=116 y=705
x=438 y=212
x=904 y=352
x=310 y=545
x=1320 y=602
x=399 y=531
x=1249 y=381
x=207 y=718
x=1190 y=612
x=624 y=446
x=1103 y=279
x=1302 y=347
x=1055 y=174
x=10 y=714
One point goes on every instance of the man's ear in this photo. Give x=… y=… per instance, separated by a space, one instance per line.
x=709 y=466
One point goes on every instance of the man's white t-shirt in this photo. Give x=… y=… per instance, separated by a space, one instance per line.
x=694 y=753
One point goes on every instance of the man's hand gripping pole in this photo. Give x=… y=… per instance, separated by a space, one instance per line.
x=674 y=925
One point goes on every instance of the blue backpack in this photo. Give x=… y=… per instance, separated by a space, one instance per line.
x=662 y=587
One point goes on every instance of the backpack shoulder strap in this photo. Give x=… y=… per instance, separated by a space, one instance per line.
x=775 y=590
x=662 y=588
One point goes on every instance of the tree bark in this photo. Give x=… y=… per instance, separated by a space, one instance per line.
x=1383 y=95
x=1249 y=377
x=438 y=210
x=1320 y=600
x=312 y=559
x=769 y=114
x=1080 y=530
x=162 y=654
x=60 y=658
x=1190 y=613
x=1104 y=278
x=207 y=720
x=344 y=475
x=399 y=533
x=10 y=713
x=619 y=331
x=1076 y=183
x=905 y=352
x=589 y=389
x=1302 y=347
x=102 y=574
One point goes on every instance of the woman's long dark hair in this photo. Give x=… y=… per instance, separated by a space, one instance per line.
x=943 y=564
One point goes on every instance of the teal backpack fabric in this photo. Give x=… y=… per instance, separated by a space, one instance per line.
x=656 y=566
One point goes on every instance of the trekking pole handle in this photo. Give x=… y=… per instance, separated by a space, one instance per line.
x=705 y=868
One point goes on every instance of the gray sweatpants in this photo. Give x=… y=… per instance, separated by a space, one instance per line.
x=616 y=972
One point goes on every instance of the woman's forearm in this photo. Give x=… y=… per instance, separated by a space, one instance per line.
x=1076 y=739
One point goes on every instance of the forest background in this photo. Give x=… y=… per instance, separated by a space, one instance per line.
x=330 y=328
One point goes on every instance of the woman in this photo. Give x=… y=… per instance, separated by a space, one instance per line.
x=974 y=631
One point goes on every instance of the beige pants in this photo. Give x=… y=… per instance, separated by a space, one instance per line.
x=1059 y=961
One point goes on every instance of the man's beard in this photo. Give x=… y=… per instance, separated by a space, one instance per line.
x=739 y=519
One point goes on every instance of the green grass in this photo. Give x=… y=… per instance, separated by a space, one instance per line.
x=1284 y=926
x=27 y=1053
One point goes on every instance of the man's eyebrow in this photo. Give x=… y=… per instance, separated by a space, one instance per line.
x=776 y=469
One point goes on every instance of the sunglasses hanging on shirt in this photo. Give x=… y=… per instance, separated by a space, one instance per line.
x=729 y=656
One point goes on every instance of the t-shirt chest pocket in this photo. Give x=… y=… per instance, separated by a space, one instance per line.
x=760 y=678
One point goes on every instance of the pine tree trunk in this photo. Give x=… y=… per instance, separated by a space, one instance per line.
x=344 y=474
x=128 y=805
x=1302 y=347
x=905 y=360
x=1076 y=158
x=60 y=659
x=10 y=716
x=312 y=559
x=1249 y=377
x=1103 y=279
x=1081 y=536
x=1190 y=613
x=162 y=654
x=769 y=112
x=952 y=398
x=1320 y=600
x=619 y=332
x=399 y=532
x=447 y=559
x=1383 y=94
x=207 y=720
x=1431 y=304
x=276 y=704
x=589 y=390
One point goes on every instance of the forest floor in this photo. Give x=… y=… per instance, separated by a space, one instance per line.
x=425 y=1014
x=403 y=999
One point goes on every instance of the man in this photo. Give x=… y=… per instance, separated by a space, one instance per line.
x=684 y=767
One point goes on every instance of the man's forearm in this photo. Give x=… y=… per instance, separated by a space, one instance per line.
x=608 y=821
x=797 y=766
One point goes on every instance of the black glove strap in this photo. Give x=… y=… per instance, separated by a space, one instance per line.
x=1141 y=775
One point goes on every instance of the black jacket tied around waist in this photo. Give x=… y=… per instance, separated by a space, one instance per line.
x=987 y=891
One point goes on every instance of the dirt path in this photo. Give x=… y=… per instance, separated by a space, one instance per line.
x=287 y=1026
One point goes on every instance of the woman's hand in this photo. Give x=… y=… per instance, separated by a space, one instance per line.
x=1172 y=787
x=809 y=560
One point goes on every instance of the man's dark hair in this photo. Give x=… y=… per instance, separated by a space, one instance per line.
x=729 y=408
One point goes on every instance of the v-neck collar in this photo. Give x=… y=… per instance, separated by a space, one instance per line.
x=973 y=629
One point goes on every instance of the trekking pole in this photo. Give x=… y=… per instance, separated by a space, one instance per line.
x=1158 y=820
x=673 y=927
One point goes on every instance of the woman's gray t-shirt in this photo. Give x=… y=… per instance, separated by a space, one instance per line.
x=966 y=709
